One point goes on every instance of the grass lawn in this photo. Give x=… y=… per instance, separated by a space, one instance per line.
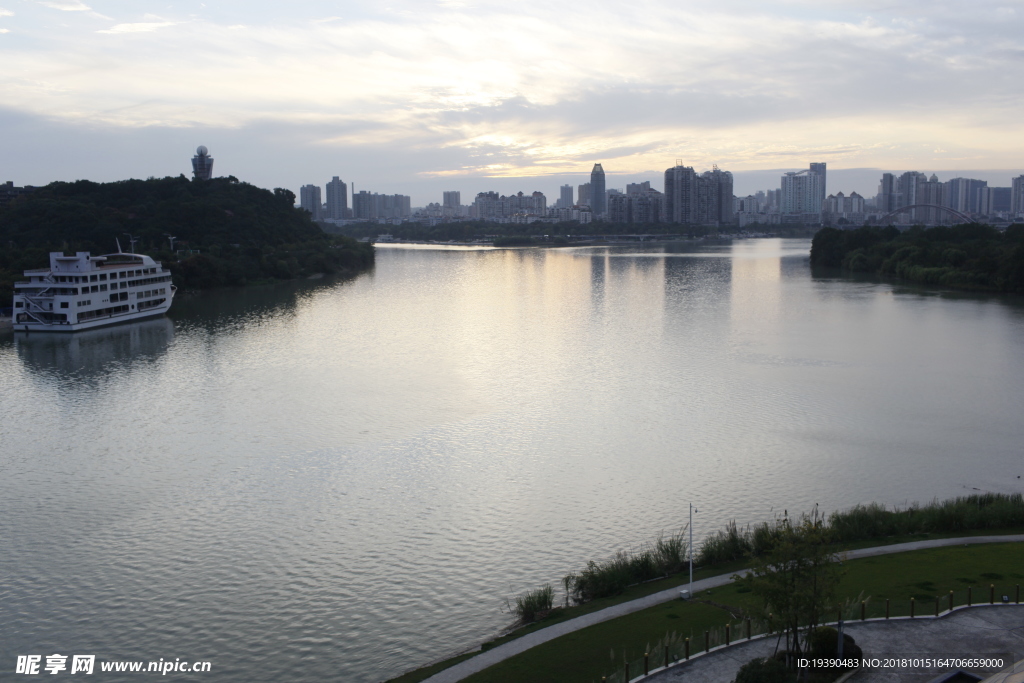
x=588 y=654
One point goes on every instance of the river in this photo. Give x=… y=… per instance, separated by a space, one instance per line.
x=344 y=479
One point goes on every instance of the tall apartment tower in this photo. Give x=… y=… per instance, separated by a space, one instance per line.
x=565 y=200
x=929 y=191
x=1017 y=196
x=598 y=199
x=202 y=164
x=337 y=199
x=887 y=194
x=819 y=169
x=801 y=194
x=964 y=194
x=583 y=195
x=309 y=199
x=451 y=202
x=681 y=201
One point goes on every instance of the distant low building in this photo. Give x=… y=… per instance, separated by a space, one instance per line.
x=8 y=191
x=490 y=206
x=840 y=208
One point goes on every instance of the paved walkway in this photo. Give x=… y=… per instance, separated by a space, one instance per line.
x=519 y=645
x=967 y=631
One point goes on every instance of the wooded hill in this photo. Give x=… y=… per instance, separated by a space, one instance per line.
x=228 y=232
x=968 y=256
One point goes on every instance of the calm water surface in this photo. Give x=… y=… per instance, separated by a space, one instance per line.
x=344 y=480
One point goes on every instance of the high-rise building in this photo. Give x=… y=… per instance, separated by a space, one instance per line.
x=565 y=198
x=819 y=169
x=705 y=199
x=583 y=195
x=995 y=201
x=964 y=194
x=598 y=200
x=635 y=188
x=840 y=207
x=309 y=199
x=451 y=203
x=801 y=195
x=337 y=199
x=373 y=206
x=636 y=207
x=720 y=208
x=202 y=164
x=929 y=192
x=490 y=206
x=888 y=196
x=680 y=194
x=1017 y=196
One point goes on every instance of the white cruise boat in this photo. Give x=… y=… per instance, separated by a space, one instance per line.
x=81 y=292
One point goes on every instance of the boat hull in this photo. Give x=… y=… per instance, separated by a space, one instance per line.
x=114 y=319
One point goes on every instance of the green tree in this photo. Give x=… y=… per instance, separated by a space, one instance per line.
x=797 y=579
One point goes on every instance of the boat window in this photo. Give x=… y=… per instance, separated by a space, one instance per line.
x=92 y=278
x=18 y=304
x=103 y=276
x=103 y=288
x=63 y=304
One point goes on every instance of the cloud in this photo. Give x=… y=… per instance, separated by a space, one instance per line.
x=502 y=91
x=5 y=30
x=66 y=5
x=138 y=27
x=6 y=12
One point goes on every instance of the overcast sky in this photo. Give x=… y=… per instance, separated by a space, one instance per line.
x=418 y=97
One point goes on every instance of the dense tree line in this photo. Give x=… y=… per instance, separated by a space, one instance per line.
x=968 y=256
x=468 y=231
x=228 y=232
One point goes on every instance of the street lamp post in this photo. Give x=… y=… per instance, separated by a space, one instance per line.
x=692 y=510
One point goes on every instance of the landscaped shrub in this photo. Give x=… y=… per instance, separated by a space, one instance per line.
x=764 y=670
x=825 y=643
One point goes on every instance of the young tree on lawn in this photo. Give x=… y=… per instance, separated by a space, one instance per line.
x=797 y=579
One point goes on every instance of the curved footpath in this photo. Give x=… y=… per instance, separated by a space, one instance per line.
x=515 y=647
x=982 y=631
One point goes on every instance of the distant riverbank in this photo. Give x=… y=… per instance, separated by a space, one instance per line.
x=214 y=233
x=970 y=256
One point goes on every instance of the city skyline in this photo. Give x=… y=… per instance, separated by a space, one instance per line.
x=404 y=97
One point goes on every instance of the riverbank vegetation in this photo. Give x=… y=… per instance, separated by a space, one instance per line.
x=969 y=256
x=582 y=656
x=546 y=234
x=226 y=232
x=881 y=583
x=869 y=522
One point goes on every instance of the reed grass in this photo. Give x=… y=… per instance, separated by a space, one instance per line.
x=666 y=556
x=669 y=554
x=866 y=522
x=532 y=604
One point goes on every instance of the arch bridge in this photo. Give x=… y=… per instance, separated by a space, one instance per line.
x=907 y=209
